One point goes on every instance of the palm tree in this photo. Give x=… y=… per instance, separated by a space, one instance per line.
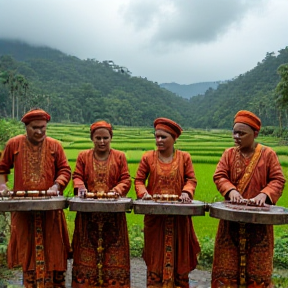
x=17 y=86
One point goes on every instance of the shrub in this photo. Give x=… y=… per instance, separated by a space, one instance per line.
x=136 y=237
x=205 y=258
x=281 y=252
x=8 y=129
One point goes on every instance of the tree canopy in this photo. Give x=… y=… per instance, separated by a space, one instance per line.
x=83 y=91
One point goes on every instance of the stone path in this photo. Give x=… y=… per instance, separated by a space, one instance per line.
x=198 y=278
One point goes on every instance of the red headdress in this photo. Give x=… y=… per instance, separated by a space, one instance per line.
x=101 y=124
x=35 y=114
x=249 y=118
x=169 y=126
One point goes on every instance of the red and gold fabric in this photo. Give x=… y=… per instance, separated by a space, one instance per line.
x=169 y=126
x=37 y=168
x=100 y=240
x=35 y=114
x=101 y=124
x=267 y=177
x=171 y=246
x=248 y=118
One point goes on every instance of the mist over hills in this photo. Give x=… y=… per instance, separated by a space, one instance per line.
x=83 y=91
x=190 y=90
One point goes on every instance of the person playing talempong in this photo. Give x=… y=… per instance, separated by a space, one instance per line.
x=248 y=171
x=39 y=241
x=100 y=241
x=171 y=246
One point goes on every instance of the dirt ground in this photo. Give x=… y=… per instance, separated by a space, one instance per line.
x=198 y=278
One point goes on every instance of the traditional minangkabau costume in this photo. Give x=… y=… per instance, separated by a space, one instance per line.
x=100 y=241
x=39 y=240
x=171 y=246
x=243 y=255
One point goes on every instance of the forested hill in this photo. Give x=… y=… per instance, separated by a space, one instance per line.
x=84 y=90
x=76 y=90
x=190 y=90
x=253 y=90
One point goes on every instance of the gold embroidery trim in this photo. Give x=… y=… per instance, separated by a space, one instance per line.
x=249 y=170
x=242 y=232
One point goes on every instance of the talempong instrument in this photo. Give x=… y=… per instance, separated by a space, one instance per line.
x=100 y=205
x=247 y=212
x=100 y=202
x=35 y=201
x=268 y=214
x=31 y=201
x=196 y=208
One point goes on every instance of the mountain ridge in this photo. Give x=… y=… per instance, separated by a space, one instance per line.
x=75 y=90
x=190 y=90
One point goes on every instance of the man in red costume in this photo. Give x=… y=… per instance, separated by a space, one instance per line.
x=39 y=164
x=171 y=246
x=247 y=171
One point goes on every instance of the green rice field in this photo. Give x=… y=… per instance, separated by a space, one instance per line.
x=205 y=147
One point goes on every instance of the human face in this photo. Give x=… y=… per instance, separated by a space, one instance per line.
x=164 y=140
x=244 y=136
x=36 y=131
x=101 y=139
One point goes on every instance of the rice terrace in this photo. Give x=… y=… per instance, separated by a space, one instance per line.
x=205 y=148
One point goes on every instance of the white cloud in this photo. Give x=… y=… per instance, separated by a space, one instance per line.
x=185 y=41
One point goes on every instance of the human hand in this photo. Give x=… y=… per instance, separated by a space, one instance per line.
x=260 y=199
x=185 y=198
x=4 y=190
x=53 y=190
x=3 y=187
x=82 y=191
x=235 y=196
x=116 y=191
x=147 y=196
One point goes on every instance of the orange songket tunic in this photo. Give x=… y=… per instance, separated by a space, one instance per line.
x=100 y=241
x=37 y=168
x=267 y=177
x=171 y=246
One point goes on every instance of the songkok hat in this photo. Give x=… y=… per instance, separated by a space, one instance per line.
x=35 y=114
x=168 y=126
x=249 y=118
x=101 y=124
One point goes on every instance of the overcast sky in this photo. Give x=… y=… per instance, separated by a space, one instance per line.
x=182 y=41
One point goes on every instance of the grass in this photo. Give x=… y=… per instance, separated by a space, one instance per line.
x=205 y=147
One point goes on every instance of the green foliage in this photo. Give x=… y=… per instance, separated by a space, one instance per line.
x=252 y=91
x=205 y=258
x=279 y=278
x=16 y=84
x=281 y=252
x=281 y=90
x=8 y=129
x=83 y=91
x=136 y=239
x=4 y=235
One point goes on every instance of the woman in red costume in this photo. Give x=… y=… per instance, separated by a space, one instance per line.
x=247 y=171
x=171 y=246
x=101 y=169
